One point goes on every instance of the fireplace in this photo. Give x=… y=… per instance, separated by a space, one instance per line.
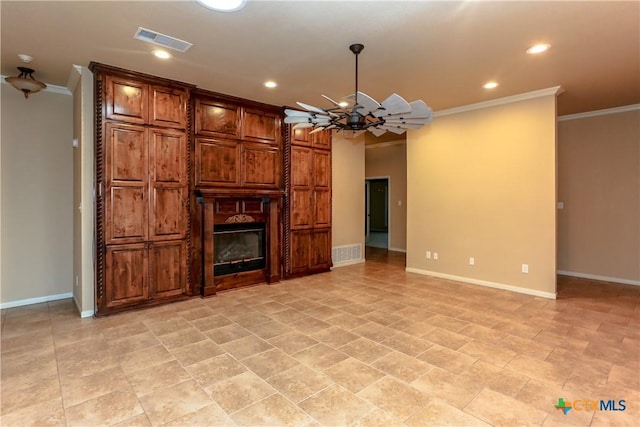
x=238 y=248
x=240 y=234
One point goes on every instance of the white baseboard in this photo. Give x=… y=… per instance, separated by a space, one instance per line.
x=486 y=283
x=37 y=300
x=83 y=314
x=349 y=262
x=601 y=278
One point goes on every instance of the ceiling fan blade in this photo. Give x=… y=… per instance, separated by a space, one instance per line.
x=377 y=131
x=303 y=126
x=404 y=125
x=393 y=129
x=290 y=112
x=399 y=121
x=297 y=119
x=394 y=104
x=419 y=110
x=311 y=108
x=336 y=103
x=367 y=103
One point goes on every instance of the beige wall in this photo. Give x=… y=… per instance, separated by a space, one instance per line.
x=390 y=160
x=37 y=196
x=482 y=184
x=83 y=169
x=347 y=191
x=599 y=184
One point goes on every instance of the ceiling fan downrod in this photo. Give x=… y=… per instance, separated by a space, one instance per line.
x=356 y=49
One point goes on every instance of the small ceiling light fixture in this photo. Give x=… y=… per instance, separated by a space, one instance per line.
x=490 y=85
x=223 y=5
x=162 y=54
x=538 y=48
x=270 y=84
x=25 y=82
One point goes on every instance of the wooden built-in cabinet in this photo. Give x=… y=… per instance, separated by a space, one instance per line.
x=308 y=222
x=142 y=177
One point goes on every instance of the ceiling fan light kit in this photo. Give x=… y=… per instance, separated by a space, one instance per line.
x=394 y=114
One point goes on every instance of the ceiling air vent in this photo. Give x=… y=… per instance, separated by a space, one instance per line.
x=155 y=37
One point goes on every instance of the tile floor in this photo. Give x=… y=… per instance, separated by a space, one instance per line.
x=364 y=345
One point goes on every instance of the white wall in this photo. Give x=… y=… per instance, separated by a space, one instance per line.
x=37 y=197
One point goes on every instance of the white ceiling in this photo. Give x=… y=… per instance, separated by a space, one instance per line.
x=441 y=52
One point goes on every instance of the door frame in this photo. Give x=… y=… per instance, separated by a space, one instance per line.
x=367 y=213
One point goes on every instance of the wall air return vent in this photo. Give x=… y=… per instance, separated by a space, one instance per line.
x=155 y=37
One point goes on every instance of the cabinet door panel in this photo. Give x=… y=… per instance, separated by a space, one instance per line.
x=168 y=107
x=217 y=119
x=321 y=139
x=320 y=252
x=217 y=162
x=168 y=213
x=322 y=168
x=126 y=275
x=299 y=251
x=260 y=165
x=126 y=176
x=260 y=126
x=300 y=136
x=168 y=269
x=301 y=166
x=126 y=100
x=322 y=207
x=168 y=156
x=301 y=210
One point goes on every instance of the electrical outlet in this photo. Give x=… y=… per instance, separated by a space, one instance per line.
x=428 y=254
x=435 y=256
x=472 y=261
x=525 y=268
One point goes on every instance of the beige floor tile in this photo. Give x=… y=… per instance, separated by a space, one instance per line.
x=299 y=382
x=246 y=347
x=197 y=352
x=334 y=336
x=166 y=325
x=137 y=421
x=539 y=369
x=269 y=329
x=353 y=375
x=211 y=415
x=210 y=371
x=379 y=418
x=394 y=397
x=544 y=396
x=438 y=413
x=503 y=381
x=500 y=410
x=252 y=319
x=374 y=332
x=214 y=321
x=108 y=409
x=319 y=356
x=39 y=389
x=131 y=343
x=335 y=406
x=365 y=350
x=310 y=325
x=492 y=354
x=169 y=403
x=227 y=333
x=407 y=344
x=269 y=363
x=448 y=359
x=181 y=338
x=446 y=322
x=448 y=387
x=293 y=342
x=273 y=411
x=624 y=377
x=145 y=381
x=197 y=313
x=79 y=389
x=323 y=312
x=412 y=327
x=347 y=321
x=143 y=359
x=43 y=413
x=401 y=366
x=239 y=391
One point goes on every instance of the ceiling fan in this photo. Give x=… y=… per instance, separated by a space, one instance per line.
x=394 y=114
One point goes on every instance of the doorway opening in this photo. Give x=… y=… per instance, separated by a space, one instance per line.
x=377 y=212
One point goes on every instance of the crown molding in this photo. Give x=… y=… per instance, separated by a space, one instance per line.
x=615 y=110
x=555 y=90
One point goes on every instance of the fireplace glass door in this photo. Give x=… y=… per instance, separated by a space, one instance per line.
x=238 y=248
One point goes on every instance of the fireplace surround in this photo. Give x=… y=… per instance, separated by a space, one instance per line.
x=240 y=235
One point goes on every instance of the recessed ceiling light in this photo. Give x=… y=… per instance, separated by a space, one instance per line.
x=224 y=5
x=25 y=58
x=163 y=54
x=343 y=104
x=270 y=84
x=538 y=48
x=490 y=85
